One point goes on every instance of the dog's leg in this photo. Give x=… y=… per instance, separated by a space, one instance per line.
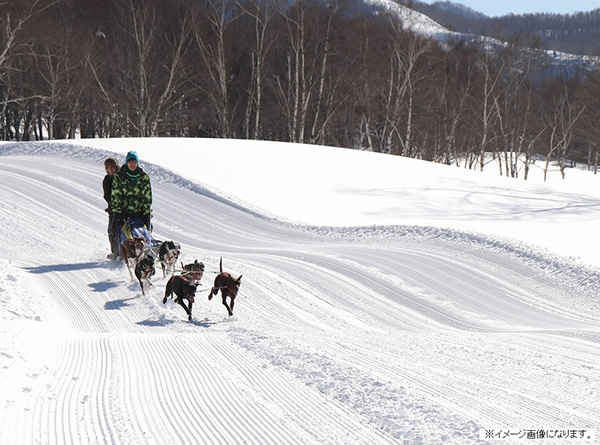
x=148 y=284
x=129 y=267
x=229 y=310
x=168 y=290
x=187 y=310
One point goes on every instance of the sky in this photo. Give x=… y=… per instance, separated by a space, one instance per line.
x=498 y=8
x=383 y=300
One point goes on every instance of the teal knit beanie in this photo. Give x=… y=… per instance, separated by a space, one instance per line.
x=132 y=155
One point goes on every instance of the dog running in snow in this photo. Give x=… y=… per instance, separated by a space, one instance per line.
x=193 y=271
x=168 y=253
x=184 y=290
x=144 y=270
x=228 y=286
x=133 y=249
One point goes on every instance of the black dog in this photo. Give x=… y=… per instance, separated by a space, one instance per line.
x=168 y=253
x=184 y=290
x=144 y=270
x=193 y=271
x=228 y=286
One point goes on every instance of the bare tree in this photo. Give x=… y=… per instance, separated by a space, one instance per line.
x=364 y=82
x=589 y=130
x=561 y=114
x=62 y=78
x=399 y=93
x=488 y=113
x=294 y=87
x=143 y=77
x=211 y=40
x=14 y=46
x=305 y=85
x=514 y=105
x=453 y=89
x=262 y=15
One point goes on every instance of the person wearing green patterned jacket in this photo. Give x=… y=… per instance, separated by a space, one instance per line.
x=132 y=192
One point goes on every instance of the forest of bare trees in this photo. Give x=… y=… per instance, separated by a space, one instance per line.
x=310 y=72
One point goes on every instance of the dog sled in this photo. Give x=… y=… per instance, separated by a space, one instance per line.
x=134 y=227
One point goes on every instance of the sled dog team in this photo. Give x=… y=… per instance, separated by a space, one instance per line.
x=184 y=284
x=128 y=194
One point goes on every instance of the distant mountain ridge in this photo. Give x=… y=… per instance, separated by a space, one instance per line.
x=569 y=33
x=463 y=24
x=459 y=8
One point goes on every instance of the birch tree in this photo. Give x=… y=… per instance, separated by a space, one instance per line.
x=262 y=16
x=488 y=114
x=210 y=34
x=399 y=95
x=305 y=87
x=293 y=87
x=561 y=115
x=145 y=78
x=453 y=90
x=15 y=16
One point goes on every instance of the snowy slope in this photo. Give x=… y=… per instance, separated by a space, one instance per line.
x=364 y=334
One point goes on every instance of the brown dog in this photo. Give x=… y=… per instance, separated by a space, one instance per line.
x=133 y=249
x=228 y=286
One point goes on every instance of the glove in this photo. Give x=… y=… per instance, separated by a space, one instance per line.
x=146 y=220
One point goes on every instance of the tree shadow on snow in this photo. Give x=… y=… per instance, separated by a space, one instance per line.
x=118 y=304
x=163 y=321
x=70 y=267
x=103 y=286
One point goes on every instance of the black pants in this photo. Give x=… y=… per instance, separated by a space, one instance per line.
x=114 y=235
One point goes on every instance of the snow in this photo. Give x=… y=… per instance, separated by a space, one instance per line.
x=384 y=300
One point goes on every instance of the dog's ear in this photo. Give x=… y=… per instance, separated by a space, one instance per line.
x=239 y=279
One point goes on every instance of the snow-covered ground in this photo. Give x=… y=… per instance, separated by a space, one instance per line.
x=383 y=300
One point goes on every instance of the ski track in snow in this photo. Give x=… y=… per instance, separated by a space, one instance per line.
x=399 y=335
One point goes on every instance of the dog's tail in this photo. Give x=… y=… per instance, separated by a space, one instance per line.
x=168 y=290
x=215 y=290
